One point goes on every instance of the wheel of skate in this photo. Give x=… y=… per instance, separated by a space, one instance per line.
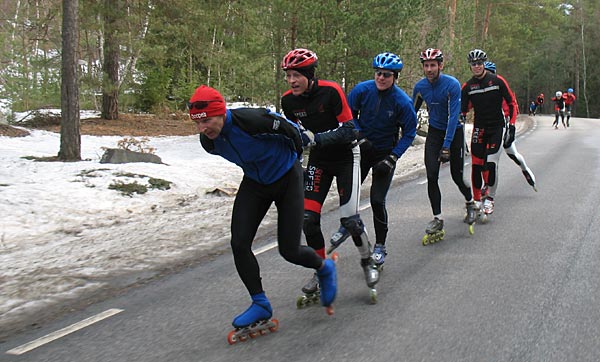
x=275 y=326
x=231 y=338
x=301 y=302
x=335 y=256
x=484 y=218
x=425 y=240
x=373 y=295
x=253 y=334
x=471 y=229
x=329 y=310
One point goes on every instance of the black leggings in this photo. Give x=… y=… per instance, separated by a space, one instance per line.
x=380 y=185
x=433 y=146
x=251 y=204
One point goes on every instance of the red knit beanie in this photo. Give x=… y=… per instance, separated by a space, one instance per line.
x=206 y=102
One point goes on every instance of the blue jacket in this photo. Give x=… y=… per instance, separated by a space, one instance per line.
x=443 y=104
x=263 y=143
x=379 y=116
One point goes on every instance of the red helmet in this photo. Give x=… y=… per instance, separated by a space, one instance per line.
x=299 y=58
x=431 y=54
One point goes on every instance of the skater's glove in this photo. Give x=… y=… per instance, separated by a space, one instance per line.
x=444 y=155
x=463 y=118
x=385 y=166
x=510 y=136
x=308 y=139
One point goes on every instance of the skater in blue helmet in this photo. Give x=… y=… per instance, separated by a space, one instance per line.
x=569 y=99
x=445 y=140
x=271 y=147
x=382 y=111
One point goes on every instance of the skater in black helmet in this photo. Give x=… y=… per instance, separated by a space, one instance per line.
x=485 y=92
x=271 y=147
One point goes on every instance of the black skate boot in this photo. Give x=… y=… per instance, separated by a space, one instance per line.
x=311 y=293
x=434 y=232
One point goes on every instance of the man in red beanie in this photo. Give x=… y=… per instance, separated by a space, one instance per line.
x=267 y=147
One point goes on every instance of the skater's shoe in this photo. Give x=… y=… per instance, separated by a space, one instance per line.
x=371 y=272
x=337 y=239
x=488 y=206
x=312 y=286
x=434 y=226
x=328 y=281
x=260 y=309
x=379 y=253
x=471 y=215
x=434 y=231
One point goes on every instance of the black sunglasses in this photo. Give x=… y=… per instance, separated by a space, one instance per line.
x=198 y=104
x=477 y=62
x=380 y=73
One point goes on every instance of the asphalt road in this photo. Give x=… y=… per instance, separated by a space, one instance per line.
x=525 y=287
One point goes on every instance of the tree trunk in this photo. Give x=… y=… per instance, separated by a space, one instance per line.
x=70 y=137
x=110 y=84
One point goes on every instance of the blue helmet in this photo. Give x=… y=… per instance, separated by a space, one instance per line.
x=491 y=66
x=570 y=90
x=389 y=61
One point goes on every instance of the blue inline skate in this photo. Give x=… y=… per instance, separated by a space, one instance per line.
x=255 y=321
x=328 y=283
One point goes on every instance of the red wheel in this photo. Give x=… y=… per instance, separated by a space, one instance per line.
x=329 y=310
x=335 y=256
x=276 y=326
x=253 y=334
x=263 y=332
x=231 y=338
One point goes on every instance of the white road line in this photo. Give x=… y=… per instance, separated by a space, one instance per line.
x=265 y=248
x=63 y=332
x=273 y=245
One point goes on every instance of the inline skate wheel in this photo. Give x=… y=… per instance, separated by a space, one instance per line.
x=373 y=295
x=275 y=326
x=231 y=338
x=425 y=240
x=335 y=256
x=301 y=302
x=329 y=310
x=471 y=229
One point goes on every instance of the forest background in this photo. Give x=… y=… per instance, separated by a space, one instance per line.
x=149 y=55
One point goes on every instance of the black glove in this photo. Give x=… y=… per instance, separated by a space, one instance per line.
x=463 y=118
x=308 y=139
x=444 y=155
x=509 y=138
x=385 y=166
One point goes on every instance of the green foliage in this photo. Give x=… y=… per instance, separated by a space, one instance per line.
x=169 y=47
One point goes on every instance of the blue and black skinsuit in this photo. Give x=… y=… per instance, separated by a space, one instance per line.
x=379 y=116
x=267 y=147
x=443 y=98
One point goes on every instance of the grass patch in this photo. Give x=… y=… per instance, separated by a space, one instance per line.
x=128 y=189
